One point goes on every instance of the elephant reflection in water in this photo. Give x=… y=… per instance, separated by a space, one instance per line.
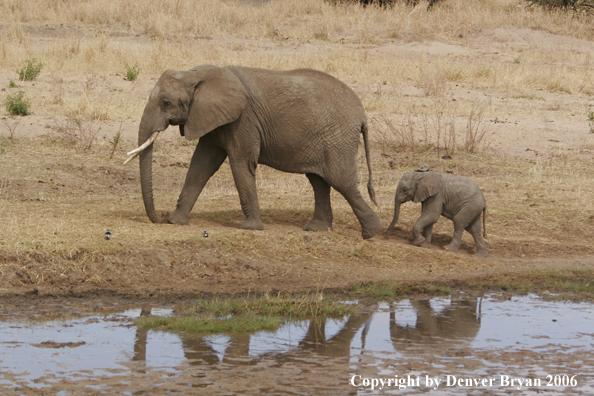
x=458 y=321
x=340 y=344
x=198 y=351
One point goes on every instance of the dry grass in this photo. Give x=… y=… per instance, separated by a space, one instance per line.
x=291 y=18
x=181 y=34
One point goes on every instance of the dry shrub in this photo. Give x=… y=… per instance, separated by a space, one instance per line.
x=441 y=130
x=476 y=129
x=77 y=131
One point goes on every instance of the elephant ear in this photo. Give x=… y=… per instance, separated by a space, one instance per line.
x=219 y=98
x=428 y=185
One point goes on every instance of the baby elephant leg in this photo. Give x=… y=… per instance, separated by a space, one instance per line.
x=456 y=239
x=427 y=233
x=474 y=228
x=422 y=229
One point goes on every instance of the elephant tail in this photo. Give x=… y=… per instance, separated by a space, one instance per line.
x=484 y=220
x=370 y=189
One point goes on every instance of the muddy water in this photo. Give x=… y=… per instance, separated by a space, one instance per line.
x=464 y=345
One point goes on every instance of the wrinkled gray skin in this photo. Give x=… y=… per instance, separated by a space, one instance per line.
x=299 y=121
x=457 y=198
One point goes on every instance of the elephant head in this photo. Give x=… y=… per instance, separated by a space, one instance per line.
x=417 y=186
x=198 y=100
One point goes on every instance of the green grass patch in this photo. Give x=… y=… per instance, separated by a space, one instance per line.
x=561 y=284
x=132 y=72
x=247 y=314
x=30 y=71
x=564 y=284
x=17 y=104
x=399 y=290
x=247 y=322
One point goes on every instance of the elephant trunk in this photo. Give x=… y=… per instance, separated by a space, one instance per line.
x=147 y=134
x=146 y=183
x=397 y=204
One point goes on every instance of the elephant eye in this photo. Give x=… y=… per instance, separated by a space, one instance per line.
x=166 y=103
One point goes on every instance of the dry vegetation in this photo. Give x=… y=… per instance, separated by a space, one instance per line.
x=472 y=80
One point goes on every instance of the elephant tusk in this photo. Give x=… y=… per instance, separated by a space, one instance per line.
x=134 y=153
x=131 y=158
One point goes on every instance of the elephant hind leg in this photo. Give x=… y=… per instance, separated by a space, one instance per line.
x=370 y=222
x=322 y=218
x=474 y=228
x=457 y=238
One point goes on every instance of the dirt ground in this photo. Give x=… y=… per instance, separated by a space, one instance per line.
x=61 y=206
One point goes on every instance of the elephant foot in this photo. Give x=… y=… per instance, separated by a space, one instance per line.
x=372 y=228
x=451 y=248
x=481 y=253
x=419 y=240
x=177 y=218
x=317 y=225
x=425 y=244
x=251 y=224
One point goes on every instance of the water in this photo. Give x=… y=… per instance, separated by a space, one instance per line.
x=477 y=346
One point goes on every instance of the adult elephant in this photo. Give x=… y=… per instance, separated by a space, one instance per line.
x=298 y=121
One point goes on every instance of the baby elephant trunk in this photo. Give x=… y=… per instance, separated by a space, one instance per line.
x=396 y=214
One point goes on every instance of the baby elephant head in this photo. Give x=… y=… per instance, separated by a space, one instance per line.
x=417 y=187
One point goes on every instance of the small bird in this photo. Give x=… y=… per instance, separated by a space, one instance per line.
x=205 y=234
x=426 y=169
x=108 y=234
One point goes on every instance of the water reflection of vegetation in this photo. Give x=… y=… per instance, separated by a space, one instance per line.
x=400 y=290
x=558 y=284
x=248 y=314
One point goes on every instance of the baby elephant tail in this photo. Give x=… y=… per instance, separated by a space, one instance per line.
x=484 y=219
x=370 y=189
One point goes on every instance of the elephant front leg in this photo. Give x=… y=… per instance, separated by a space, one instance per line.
x=322 y=218
x=427 y=234
x=423 y=228
x=245 y=182
x=206 y=160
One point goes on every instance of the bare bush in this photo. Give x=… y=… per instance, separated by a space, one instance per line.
x=476 y=129
x=77 y=131
x=441 y=131
x=11 y=126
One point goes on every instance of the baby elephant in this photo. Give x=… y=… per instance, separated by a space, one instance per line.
x=456 y=197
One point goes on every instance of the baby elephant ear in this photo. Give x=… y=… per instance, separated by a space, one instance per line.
x=428 y=185
x=219 y=98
